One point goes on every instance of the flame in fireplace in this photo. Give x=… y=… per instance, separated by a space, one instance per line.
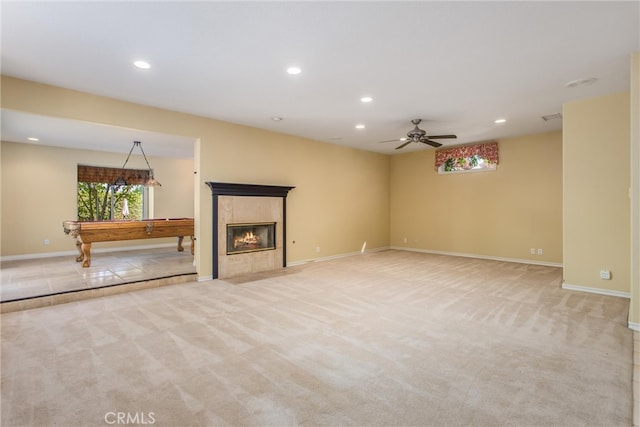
x=248 y=238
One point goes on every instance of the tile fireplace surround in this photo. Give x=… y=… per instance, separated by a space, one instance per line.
x=244 y=204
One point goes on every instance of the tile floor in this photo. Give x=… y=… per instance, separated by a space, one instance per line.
x=28 y=279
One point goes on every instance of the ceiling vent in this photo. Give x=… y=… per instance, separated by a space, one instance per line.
x=581 y=82
x=552 y=117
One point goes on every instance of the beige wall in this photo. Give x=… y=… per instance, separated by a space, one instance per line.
x=344 y=197
x=499 y=214
x=341 y=197
x=634 y=311
x=39 y=191
x=596 y=135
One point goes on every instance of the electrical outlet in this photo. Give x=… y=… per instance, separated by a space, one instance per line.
x=404 y=240
x=539 y=251
x=533 y=251
x=46 y=242
x=318 y=249
x=605 y=274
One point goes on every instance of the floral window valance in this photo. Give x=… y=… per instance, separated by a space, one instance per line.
x=487 y=151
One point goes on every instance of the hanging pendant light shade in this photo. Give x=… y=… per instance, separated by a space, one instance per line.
x=120 y=181
x=151 y=182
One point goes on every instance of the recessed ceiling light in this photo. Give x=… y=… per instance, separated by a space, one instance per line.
x=31 y=138
x=276 y=119
x=498 y=121
x=294 y=70
x=360 y=126
x=143 y=65
x=366 y=99
x=581 y=82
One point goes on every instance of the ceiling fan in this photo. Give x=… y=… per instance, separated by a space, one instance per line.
x=419 y=135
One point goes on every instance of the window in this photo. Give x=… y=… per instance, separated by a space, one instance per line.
x=469 y=158
x=466 y=164
x=100 y=200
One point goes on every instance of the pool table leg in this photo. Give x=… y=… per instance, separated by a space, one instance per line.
x=181 y=248
x=80 y=256
x=86 y=251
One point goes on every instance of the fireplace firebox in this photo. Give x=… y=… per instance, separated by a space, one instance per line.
x=243 y=238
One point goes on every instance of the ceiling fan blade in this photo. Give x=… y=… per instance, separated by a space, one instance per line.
x=390 y=140
x=430 y=142
x=403 y=145
x=442 y=136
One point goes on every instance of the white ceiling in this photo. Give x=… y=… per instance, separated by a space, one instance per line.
x=457 y=65
x=18 y=126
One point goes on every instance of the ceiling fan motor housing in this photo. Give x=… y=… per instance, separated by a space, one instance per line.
x=416 y=134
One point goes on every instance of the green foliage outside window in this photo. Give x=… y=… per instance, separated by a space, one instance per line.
x=467 y=163
x=102 y=201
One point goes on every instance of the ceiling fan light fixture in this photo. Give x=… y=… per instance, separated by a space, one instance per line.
x=418 y=135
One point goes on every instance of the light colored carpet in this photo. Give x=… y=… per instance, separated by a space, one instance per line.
x=385 y=338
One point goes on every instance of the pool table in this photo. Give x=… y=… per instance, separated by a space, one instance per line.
x=88 y=232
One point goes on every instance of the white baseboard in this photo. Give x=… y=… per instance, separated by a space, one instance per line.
x=327 y=258
x=94 y=250
x=599 y=291
x=634 y=326
x=467 y=255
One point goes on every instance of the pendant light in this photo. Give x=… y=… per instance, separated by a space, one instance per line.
x=151 y=182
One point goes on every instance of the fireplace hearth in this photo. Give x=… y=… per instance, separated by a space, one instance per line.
x=243 y=238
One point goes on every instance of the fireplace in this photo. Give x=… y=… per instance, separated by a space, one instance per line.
x=243 y=238
x=249 y=228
